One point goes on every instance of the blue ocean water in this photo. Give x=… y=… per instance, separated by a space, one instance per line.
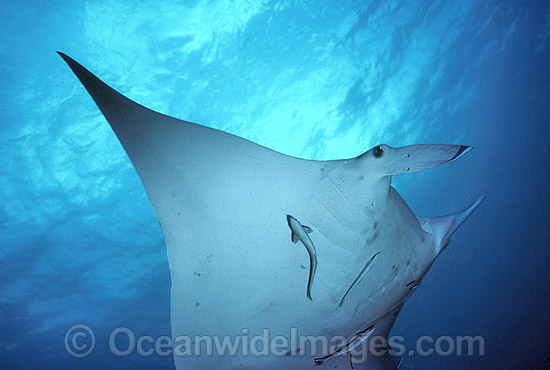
x=80 y=243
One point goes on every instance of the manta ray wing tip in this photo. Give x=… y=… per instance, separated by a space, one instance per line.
x=63 y=55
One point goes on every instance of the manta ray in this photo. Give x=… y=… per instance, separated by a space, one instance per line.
x=273 y=255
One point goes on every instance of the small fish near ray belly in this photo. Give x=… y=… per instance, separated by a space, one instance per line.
x=300 y=232
x=353 y=344
x=368 y=266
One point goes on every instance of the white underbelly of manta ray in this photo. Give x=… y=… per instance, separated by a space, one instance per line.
x=258 y=241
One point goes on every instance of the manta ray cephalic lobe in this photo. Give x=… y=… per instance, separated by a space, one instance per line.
x=227 y=205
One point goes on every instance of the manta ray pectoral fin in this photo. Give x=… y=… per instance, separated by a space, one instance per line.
x=444 y=226
x=412 y=158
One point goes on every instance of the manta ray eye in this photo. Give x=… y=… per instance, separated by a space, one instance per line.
x=377 y=152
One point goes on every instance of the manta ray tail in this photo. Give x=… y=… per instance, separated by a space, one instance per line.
x=444 y=226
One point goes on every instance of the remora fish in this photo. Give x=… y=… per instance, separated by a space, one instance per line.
x=355 y=342
x=300 y=232
x=368 y=266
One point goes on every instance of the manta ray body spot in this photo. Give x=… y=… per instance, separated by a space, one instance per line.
x=372 y=238
x=395 y=271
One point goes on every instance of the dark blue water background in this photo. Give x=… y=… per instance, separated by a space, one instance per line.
x=80 y=243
